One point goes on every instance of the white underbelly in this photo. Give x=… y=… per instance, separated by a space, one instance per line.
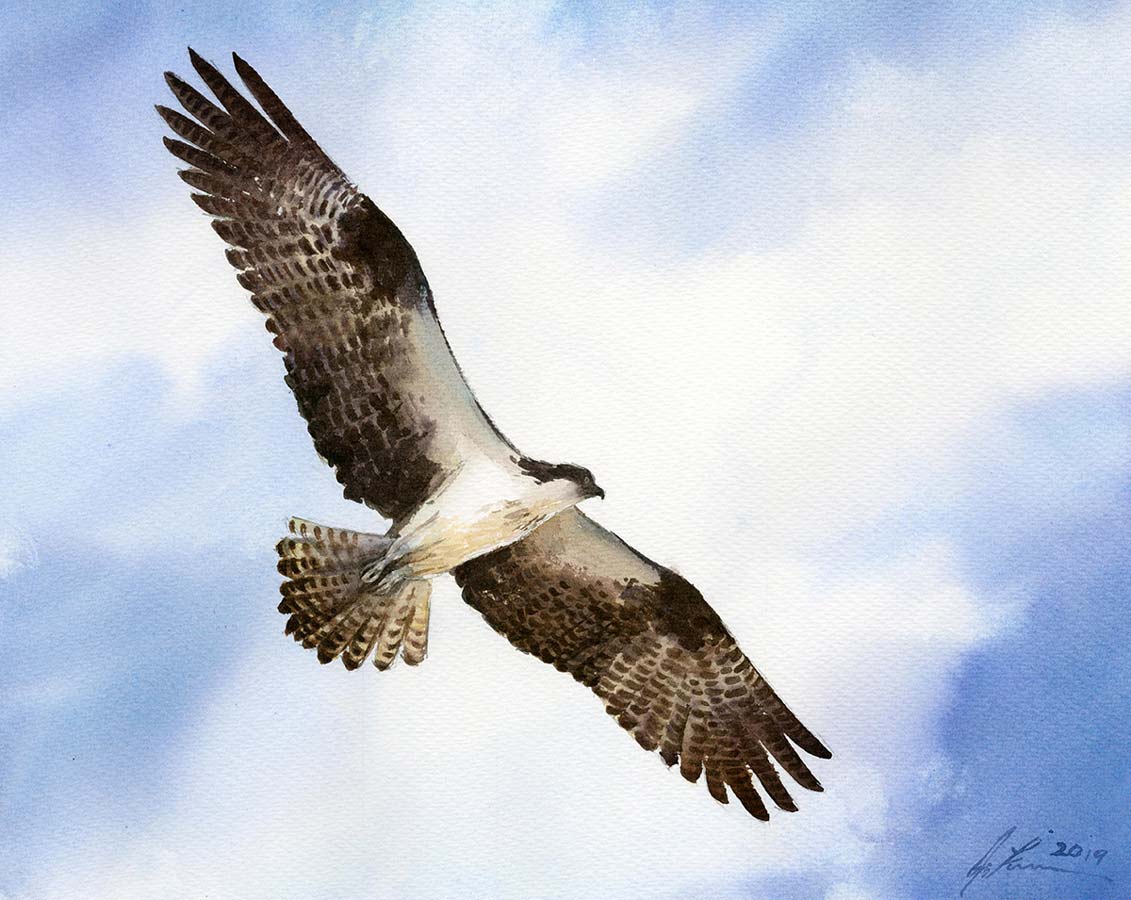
x=484 y=508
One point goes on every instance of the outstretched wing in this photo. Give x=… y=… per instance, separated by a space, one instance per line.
x=343 y=291
x=644 y=640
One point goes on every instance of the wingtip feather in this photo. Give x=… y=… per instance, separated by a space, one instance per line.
x=813 y=746
x=754 y=806
x=277 y=111
x=175 y=82
x=203 y=67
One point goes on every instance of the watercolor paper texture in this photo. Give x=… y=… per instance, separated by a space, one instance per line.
x=832 y=301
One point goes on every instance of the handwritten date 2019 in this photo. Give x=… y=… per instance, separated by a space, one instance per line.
x=1076 y=851
x=1066 y=858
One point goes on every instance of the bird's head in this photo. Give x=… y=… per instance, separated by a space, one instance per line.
x=586 y=485
x=579 y=478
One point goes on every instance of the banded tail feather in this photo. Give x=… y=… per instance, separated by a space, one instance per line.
x=332 y=609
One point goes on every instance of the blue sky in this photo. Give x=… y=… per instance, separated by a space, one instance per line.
x=832 y=298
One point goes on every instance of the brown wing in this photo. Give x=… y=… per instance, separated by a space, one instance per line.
x=343 y=291
x=644 y=640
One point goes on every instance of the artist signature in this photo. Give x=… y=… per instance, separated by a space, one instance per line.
x=1003 y=856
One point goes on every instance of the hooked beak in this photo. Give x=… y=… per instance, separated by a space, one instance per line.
x=598 y=492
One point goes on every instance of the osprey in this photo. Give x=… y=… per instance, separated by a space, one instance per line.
x=389 y=409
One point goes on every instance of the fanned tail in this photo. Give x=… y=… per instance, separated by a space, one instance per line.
x=331 y=608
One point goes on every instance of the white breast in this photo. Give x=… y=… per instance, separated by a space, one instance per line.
x=483 y=507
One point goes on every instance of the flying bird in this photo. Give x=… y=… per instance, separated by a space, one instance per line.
x=389 y=409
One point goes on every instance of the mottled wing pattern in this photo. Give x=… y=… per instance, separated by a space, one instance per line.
x=343 y=292
x=644 y=640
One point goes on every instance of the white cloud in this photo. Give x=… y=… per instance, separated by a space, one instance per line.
x=972 y=254
x=850 y=891
x=152 y=286
x=17 y=551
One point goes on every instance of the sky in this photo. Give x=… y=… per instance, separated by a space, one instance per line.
x=832 y=298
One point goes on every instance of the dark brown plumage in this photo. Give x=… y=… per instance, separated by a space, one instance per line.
x=388 y=408
x=343 y=292
x=644 y=640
